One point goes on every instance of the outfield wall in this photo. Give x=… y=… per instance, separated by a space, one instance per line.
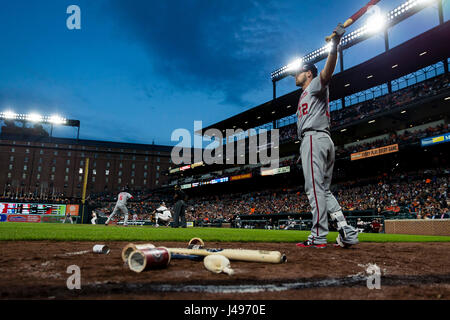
x=429 y=227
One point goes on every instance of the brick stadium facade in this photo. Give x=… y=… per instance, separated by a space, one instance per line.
x=33 y=164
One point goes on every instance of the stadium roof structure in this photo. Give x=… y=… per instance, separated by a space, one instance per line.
x=421 y=51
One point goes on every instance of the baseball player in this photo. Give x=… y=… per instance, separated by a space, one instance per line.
x=94 y=217
x=162 y=213
x=121 y=205
x=317 y=150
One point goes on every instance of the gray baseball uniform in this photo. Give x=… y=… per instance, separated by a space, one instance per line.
x=121 y=205
x=317 y=155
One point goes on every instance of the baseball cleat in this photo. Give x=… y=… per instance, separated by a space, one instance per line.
x=341 y=244
x=309 y=244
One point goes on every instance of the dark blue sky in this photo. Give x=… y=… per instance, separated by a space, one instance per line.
x=137 y=70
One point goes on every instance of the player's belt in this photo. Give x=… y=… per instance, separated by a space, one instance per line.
x=310 y=129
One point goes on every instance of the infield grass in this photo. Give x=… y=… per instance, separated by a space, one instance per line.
x=15 y=231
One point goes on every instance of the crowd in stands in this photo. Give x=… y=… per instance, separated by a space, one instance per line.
x=406 y=137
x=422 y=194
x=35 y=197
x=396 y=99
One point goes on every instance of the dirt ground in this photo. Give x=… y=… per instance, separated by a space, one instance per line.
x=38 y=270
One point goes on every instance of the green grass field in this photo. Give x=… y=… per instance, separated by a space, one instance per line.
x=69 y=232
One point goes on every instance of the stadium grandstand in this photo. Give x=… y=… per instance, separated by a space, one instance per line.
x=390 y=125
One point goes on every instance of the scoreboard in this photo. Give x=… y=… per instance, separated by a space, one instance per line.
x=32 y=208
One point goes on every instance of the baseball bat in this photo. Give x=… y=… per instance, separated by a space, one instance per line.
x=354 y=17
x=236 y=254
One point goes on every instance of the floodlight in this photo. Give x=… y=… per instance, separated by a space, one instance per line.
x=34 y=117
x=55 y=119
x=9 y=114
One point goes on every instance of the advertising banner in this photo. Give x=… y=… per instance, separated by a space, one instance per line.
x=374 y=152
x=271 y=172
x=23 y=218
x=3 y=217
x=51 y=219
x=241 y=176
x=435 y=140
x=72 y=209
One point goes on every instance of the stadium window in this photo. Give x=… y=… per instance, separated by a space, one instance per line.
x=13 y=150
x=68 y=161
x=27 y=150
x=93 y=179
x=120 y=165
x=157 y=175
x=132 y=173
x=121 y=157
x=11 y=158
x=66 y=178
x=107 y=172
x=39 y=168
x=157 y=167
x=82 y=154
x=145 y=181
x=108 y=164
x=81 y=162
x=24 y=176
x=80 y=171
x=145 y=167
x=69 y=154
x=52 y=177
x=120 y=173
x=55 y=153
x=26 y=159
x=40 y=160
x=54 y=161
x=95 y=164
x=80 y=178
x=94 y=172
x=146 y=158
x=158 y=159
x=145 y=174
x=67 y=170
x=41 y=151
x=119 y=181
x=10 y=167
x=53 y=169
x=134 y=158
x=157 y=182
x=132 y=181
x=106 y=179
x=9 y=174
x=38 y=176
x=24 y=168
x=133 y=166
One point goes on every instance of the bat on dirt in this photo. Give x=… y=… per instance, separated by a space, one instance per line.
x=354 y=17
x=236 y=254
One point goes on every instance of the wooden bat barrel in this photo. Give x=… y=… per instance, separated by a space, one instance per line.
x=152 y=258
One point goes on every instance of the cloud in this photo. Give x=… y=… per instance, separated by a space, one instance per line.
x=222 y=47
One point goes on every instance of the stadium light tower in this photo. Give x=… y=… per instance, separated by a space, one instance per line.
x=37 y=118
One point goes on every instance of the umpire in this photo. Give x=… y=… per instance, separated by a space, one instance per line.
x=180 y=199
